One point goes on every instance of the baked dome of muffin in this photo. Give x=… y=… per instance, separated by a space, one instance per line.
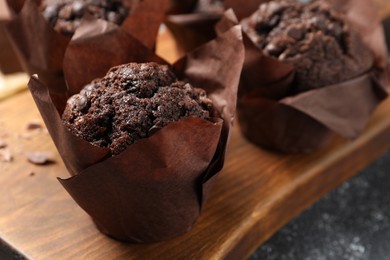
x=314 y=38
x=131 y=102
x=65 y=15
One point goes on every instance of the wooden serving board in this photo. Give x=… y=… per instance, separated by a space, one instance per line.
x=12 y=83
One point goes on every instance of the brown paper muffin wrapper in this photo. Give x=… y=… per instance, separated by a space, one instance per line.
x=16 y=5
x=194 y=29
x=302 y=123
x=41 y=49
x=155 y=189
x=9 y=62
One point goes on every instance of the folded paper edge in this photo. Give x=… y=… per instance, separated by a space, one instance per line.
x=218 y=123
x=370 y=95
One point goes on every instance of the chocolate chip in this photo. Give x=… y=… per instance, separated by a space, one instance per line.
x=274 y=21
x=78 y=101
x=87 y=90
x=296 y=33
x=50 y=13
x=78 y=8
x=319 y=22
x=113 y=17
x=33 y=125
x=66 y=13
x=274 y=49
x=335 y=29
x=263 y=27
x=154 y=129
x=122 y=11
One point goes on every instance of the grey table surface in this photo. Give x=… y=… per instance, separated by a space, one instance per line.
x=351 y=222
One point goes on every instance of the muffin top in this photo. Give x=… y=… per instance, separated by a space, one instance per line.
x=131 y=102
x=65 y=15
x=312 y=37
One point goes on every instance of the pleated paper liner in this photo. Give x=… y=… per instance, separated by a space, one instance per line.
x=9 y=62
x=192 y=29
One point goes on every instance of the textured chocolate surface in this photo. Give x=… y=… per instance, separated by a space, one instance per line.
x=65 y=15
x=131 y=102
x=312 y=37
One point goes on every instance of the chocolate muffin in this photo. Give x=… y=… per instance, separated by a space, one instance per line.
x=315 y=39
x=131 y=102
x=65 y=15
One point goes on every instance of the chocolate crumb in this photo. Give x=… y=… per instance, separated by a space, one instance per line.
x=39 y=158
x=3 y=144
x=5 y=155
x=33 y=125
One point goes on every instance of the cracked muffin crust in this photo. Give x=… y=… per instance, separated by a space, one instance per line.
x=131 y=102
x=312 y=37
x=65 y=15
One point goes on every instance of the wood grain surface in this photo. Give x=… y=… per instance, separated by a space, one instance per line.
x=383 y=8
x=256 y=194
